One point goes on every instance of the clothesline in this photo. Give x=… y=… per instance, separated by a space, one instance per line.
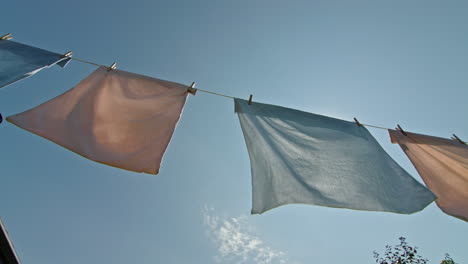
x=232 y=97
x=113 y=66
x=201 y=90
x=68 y=55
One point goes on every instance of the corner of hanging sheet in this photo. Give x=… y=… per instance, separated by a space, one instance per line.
x=236 y=105
x=192 y=89
x=6 y=37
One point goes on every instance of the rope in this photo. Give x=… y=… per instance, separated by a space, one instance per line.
x=68 y=55
x=218 y=94
x=205 y=91
x=92 y=63
x=375 y=126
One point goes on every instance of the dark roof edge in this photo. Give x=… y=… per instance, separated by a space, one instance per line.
x=9 y=253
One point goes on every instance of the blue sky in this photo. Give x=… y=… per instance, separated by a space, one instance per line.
x=384 y=62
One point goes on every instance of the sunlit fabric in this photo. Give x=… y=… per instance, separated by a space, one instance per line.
x=443 y=166
x=19 y=61
x=114 y=117
x=298 y=157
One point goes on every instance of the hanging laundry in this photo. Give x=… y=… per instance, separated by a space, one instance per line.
x=113 y=117
x=299 y=157
x=443 y=166
x=19 y=61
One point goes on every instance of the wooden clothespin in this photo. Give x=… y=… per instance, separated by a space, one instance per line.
x=112 y=67
x=192 y=89
x=250 y=100
x=454 y=137
x=401 y=130
x=6 y=37
x=67 y=55
x=357 y=122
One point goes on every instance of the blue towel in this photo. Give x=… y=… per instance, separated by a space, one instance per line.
x=19 y=61
x=299 y=157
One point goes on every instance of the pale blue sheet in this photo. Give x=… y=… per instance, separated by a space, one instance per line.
x=299 y=157
x=19 y=61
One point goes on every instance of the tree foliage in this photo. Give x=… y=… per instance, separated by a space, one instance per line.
x=448 y=260
x=405 y=254
x=400 y=254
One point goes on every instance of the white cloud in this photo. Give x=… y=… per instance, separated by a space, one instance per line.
x=236 y=241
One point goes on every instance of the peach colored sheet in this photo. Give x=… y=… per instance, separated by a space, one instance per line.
x=118 y=118
x=443 y=166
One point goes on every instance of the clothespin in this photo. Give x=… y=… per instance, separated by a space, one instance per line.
x=357 y=122
x=112 y=67
x=67 y=55
x=401 y=130
x=1 y=118
x=250 y=100
x=454 y=137
x=192 y=89
x=6 y=37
